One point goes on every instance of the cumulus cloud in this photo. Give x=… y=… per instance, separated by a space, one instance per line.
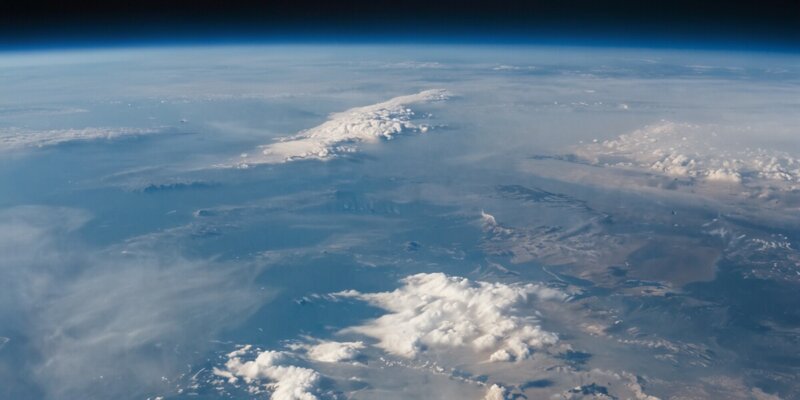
x=693 y=151
x=14 y=138
x=284 y=380
x=332 y=352
x=344 y=130
x=497 y=392
x=436 y=311
x=488 y=220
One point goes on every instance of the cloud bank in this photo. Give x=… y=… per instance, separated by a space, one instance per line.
x=14 y=138
x=436 y=311
x=344 y=130
x=693 y=151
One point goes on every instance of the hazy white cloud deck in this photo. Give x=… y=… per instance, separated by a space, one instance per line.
x=695 y=151
x=13 y=138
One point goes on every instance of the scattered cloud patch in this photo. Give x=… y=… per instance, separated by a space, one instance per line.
x=333 y=352
x=329 y=351
x=488 y=220
x=284 y=380
x=436 y=311
x=344 y=130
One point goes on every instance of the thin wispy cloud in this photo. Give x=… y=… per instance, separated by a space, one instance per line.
x=99 y=315
x=15 y=138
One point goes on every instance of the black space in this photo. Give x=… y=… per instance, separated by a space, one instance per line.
x=769 y=23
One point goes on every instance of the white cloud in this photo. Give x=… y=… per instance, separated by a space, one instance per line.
x=488 y=219
x=333 y=352
x=435 y=311
x=344 y=130
x=497 y=392
x=416 y=65
x=14 y=138
x=693 y=151
x=505 y=67
x=285 y=381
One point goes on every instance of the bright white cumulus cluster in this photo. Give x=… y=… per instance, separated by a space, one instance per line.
x=497 y=392
x=13 y=138
x=344 y=129
x=333 y=352
x=685 y=150
x=438 y=311
x=285 y=381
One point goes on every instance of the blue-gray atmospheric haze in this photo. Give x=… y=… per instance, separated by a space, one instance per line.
x=399 y=222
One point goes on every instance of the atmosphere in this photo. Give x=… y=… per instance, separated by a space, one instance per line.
x=455 y=201
x=769 y=24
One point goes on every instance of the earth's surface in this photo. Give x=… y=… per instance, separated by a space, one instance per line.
x=315 y=222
